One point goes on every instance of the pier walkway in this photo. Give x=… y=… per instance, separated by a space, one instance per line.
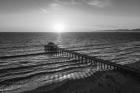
x=102 y=65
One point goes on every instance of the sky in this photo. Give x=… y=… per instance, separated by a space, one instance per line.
x=74 y=15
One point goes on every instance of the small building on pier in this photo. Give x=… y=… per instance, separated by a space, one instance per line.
x=51 y=47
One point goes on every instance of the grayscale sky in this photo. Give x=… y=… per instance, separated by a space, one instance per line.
x=76 y=15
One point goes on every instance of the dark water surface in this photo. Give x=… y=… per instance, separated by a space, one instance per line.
x=27 y=73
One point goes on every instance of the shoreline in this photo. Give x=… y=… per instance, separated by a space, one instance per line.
x=46 y=88
x=100 y=82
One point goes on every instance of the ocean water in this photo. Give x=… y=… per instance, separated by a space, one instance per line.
x=27 y=73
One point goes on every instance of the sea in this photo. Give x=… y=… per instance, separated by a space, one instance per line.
x=22 y=74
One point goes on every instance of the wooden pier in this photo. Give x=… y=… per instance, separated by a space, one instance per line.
x=102 y=65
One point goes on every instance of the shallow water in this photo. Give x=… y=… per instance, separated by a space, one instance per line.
x=27 y=73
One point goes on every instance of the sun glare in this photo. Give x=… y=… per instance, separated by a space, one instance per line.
x=59 y=27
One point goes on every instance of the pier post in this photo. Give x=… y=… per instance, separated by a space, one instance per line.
x=83 y=59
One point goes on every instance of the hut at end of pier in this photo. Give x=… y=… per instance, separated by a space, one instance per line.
x=50 y=48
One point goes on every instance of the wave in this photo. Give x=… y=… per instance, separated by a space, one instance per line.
x=19 y=73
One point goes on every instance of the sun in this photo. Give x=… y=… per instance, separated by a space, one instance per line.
x=59 y=27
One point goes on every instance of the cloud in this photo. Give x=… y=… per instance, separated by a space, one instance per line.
x=59 y=4
x=67 y=1
x=55 y=5
x=52 y=7
x=44 y=10
x=96 y=3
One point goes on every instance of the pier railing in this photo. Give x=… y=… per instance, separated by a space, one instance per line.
x=102 y=64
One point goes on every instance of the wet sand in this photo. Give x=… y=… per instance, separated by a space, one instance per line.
x=101 y=82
